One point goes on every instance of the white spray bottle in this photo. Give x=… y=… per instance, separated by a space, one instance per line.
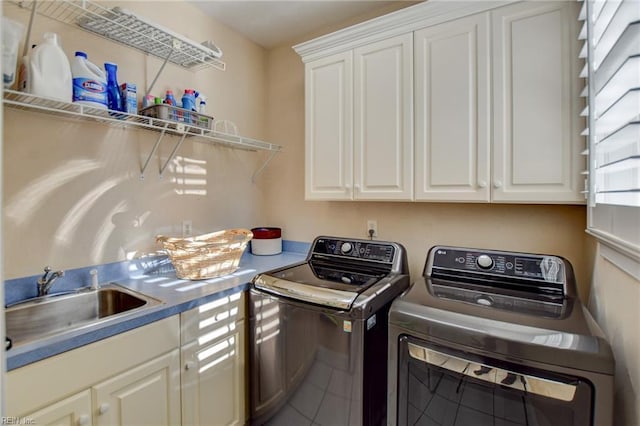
x=202 y=106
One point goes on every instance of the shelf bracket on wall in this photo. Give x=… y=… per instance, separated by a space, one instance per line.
x=173 y=153
x=153 y=150
x=258 y=172
x=25 y=49
x=175 y=46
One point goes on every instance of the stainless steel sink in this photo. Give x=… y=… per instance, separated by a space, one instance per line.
x=44 y=316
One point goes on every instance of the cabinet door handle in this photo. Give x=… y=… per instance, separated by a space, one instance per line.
x=497 y=184
x=83 y=420
x=189 y=365
x=482 y=184
x=103 y=409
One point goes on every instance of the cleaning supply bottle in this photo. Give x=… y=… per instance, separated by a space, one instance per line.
x=169 y=99
x=202 y=106
x=189 y=99
x=49 y=70
x=202 y=109
x=189 y=103
x=89 y=82
x=113 y=88
x=11 y=35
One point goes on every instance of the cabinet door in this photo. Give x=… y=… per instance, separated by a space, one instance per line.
x=383 y=120
x=537 y=139
x=72 y=411
x=213 y=381
x=453 y=110
x=329 y=128
x=145 y=395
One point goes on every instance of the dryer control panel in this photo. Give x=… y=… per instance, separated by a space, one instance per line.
x=496 y=265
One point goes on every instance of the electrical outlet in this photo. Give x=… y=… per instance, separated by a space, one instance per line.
x=187 y=229
x=372 y=225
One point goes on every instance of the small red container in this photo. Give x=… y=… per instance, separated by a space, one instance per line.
x=266 y=241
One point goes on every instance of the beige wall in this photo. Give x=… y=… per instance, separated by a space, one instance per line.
x=73 y=196
x=615 y=304
x=72 y=192
x=544 y=229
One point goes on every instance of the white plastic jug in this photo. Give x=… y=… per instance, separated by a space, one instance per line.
x=11 y=35
x=89 y=82
x=49 y=70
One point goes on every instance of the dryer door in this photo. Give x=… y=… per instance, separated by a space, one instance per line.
x=443 y=386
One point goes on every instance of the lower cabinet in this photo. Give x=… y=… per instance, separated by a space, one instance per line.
x=187 y=369
x=213 y=363
x=129 y=379
x=72 y=411
x=148 y=394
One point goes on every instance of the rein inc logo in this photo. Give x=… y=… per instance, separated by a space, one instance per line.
x=17 y=421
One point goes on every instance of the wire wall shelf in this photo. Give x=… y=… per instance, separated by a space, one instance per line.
x=123 y=26
x=29 y=102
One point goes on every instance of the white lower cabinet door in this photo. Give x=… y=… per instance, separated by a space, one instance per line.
x=452 y=110
x=213 y=381
x=148 y=394
x=72 y=411
x=537 y=143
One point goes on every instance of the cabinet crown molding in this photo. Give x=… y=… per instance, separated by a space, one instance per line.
x=400 y=22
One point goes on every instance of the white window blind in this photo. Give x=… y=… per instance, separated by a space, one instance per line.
x=612 y=51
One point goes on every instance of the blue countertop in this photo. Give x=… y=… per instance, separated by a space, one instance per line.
x=176 y=295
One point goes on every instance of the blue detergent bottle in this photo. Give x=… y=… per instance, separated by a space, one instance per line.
x=171 y=100
x=113 y=89
x=189 y=103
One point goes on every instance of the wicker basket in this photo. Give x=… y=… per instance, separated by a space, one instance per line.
x=206 y=256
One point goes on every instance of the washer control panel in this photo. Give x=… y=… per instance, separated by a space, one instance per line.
x=474 y=262
x=355 y=249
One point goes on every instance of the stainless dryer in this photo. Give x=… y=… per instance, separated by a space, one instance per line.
x=490 y=337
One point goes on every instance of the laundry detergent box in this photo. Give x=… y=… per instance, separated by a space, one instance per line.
x=128 y=93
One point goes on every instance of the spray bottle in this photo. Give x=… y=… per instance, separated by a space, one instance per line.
x=202 y=106
x=202 y=109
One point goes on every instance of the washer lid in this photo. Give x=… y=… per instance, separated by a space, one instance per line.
x=318 y=283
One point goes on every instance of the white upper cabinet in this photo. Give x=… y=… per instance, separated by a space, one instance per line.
x=536 y=127
x=383 y=125
x=496 y=108
x=452 y=110
x=359 y=107
x=329 y=128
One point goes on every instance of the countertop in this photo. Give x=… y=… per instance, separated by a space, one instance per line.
x=176 y=295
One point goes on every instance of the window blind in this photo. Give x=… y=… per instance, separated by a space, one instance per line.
x=613 y=69
x=612 y=52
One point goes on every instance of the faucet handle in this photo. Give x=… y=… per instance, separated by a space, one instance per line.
x=47 y=269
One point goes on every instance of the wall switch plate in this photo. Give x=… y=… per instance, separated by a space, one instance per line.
x=372 y=225
x=187 y=229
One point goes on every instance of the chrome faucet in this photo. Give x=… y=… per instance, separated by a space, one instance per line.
x=46 y=281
